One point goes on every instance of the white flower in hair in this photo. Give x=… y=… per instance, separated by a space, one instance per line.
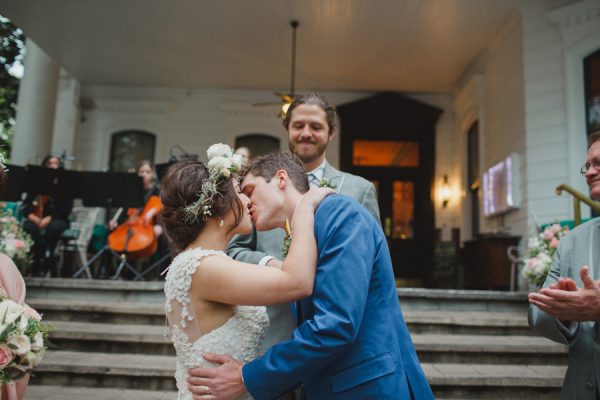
x=222 y=163
x=219 y=150
x=2 y=162
x=219 y=163
x=236 y=160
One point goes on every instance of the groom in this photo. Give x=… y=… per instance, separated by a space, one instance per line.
x=351 y=341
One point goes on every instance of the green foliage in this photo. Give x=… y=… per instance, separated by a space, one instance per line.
x=11 y=51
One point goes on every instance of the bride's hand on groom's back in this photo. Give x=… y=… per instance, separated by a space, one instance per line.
x=314 y=196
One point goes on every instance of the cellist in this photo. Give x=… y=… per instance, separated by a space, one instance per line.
x=145 y=170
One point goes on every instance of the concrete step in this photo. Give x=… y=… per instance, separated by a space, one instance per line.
x=467 y=322
x=111 y=338
x=421 y=321
x=412 y=299
x=98 y=311
x=475 y=381
x=433 y=348
x=489 y=349
x=41 y=392
x=85 y=369
x=152 y=292
x=145 y=372
x=96 y=289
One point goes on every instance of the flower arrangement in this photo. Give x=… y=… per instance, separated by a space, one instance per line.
x=540 y=249
x=23 y=339
x=222 y=163
x=14 y=241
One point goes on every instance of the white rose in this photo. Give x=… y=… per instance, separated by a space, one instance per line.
x=236 y=160
x=533 y=242
x=38 y=342
x=219 y=163
x=10 y=311
x=19 y=344
x=219 y=150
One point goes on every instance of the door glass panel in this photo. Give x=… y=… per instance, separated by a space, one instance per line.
x=592 y=91
x=128 y=148
x=403 y=210
x=385 y=153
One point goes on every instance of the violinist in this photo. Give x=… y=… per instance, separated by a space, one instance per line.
x=45 y=218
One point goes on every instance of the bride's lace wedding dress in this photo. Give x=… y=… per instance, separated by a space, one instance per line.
x=240 y=336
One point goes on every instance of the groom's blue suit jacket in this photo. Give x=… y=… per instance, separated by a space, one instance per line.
x=352 y=341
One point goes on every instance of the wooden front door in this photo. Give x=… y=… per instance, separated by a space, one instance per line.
x=389 y=139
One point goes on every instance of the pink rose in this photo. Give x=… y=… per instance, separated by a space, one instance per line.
x=548 y=234
x=6 y=356
x=19 y=244
x=554 y=243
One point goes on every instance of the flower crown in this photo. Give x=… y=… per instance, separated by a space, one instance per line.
x=222 y=164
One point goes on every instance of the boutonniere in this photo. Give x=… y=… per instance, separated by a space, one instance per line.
x=324 y=183
x=287 y=240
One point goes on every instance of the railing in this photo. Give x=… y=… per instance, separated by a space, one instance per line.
x=578 y=198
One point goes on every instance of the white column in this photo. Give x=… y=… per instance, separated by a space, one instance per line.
x=35 y=108
x=66 y=121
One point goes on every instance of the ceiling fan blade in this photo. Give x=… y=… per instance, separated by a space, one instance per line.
x=288 y=98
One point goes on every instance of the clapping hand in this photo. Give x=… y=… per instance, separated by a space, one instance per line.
x=566 y=302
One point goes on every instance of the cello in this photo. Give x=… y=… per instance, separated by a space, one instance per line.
x=136 y=237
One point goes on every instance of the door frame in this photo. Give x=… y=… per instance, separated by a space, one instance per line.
x=395 y=117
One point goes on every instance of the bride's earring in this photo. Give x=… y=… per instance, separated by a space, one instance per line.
x=221 y=223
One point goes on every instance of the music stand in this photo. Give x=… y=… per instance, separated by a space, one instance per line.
x=112 y=189
x=15 y=183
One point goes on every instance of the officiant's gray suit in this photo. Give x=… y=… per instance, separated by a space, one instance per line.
x=580 y=247
x=252 y=248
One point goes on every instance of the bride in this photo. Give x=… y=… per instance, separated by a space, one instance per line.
x=203 y=209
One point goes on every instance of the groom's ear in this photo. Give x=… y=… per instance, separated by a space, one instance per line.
x=282 y=178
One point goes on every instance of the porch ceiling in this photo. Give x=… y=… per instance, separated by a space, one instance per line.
x=405 y=45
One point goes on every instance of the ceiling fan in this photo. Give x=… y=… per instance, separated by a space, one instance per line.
x=286 y=99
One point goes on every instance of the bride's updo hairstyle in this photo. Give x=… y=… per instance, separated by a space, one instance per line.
x=180 y=187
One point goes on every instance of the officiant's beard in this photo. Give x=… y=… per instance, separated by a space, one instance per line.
x=307 y=151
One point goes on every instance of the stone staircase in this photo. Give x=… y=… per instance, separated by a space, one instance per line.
x=111 y=343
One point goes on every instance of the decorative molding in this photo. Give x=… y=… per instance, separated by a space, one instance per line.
x=247 y=110
x=574 y=16
x=135 y=106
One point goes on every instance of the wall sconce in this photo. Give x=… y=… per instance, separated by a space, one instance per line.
x=445 y=192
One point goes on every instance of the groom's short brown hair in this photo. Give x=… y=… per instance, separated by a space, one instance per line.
x=267 y=166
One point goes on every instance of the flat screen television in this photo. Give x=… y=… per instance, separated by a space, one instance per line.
x=501 y=186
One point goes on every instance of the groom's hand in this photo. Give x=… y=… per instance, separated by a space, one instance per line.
x=219 y=383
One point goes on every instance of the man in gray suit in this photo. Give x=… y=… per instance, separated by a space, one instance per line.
x=310 y=122
x=567 y=309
